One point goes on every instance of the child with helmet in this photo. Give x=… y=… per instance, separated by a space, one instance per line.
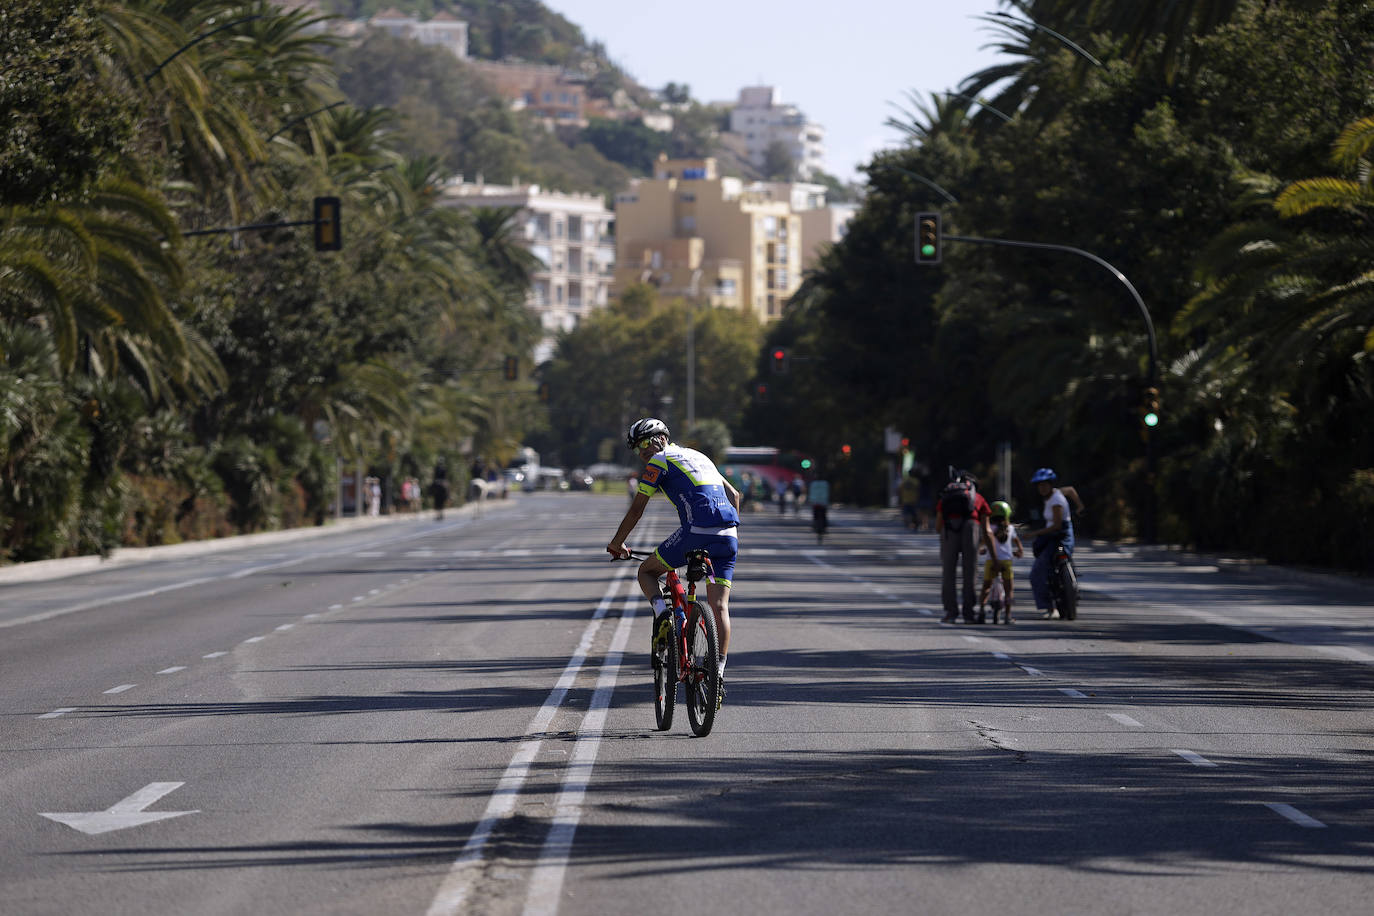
x=1005 y=546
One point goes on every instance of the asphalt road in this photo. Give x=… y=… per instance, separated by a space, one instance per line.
x=443 y=717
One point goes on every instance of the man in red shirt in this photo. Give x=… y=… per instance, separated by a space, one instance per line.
x=961 y=518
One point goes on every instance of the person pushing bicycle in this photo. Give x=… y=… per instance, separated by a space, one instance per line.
x=708 y=507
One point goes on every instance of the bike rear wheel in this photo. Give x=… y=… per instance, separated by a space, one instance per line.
x=663 y=656
x=701 y=669
x=1068 y=591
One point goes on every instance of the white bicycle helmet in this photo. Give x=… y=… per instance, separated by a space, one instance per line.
x=645 y=429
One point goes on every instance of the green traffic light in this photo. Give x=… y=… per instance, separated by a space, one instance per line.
x=928 y=250
x=806 y=464
x=1152 y=419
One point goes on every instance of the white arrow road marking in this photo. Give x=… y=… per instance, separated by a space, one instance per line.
x=122 y=814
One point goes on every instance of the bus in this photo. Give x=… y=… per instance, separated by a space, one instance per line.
x=777 y=466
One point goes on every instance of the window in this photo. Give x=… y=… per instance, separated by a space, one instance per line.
x=726 y=287
x=770 y=227
x=688 y=223
x=687 y=197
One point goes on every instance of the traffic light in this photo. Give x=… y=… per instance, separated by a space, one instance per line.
x=512 y=368
x=927 y=238
x=845 y=451
x=761 y=393
x=544 y=392
x=806 y=464
x=328 y=232
x=1150 y=409
x=778 y=361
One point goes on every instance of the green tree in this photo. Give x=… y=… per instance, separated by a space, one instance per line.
x=63 y=125
x=778 y=164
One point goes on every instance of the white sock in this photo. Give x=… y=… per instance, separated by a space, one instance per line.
x=720 y=669
x=657 y=604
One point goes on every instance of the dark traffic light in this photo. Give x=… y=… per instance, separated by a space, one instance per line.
x=927 y=238
x=544 y=392
x=778 y=361
x=328 y=232
x=761 y=393
x=512 y=368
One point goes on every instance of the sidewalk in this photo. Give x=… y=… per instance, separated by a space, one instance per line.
x=44 y=570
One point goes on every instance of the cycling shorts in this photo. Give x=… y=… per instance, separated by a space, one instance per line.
x=720 y=548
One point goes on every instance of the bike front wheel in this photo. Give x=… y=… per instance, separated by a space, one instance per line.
x=701 y=669
x=663 y=656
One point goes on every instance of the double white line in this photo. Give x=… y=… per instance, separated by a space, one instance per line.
x=546 y=881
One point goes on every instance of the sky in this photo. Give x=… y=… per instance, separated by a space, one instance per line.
x=848 y=65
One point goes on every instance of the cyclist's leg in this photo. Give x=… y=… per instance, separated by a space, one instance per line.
x=718 y=594
x=989 y=573
x=669 y=555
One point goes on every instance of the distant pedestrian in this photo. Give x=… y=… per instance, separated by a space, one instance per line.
x=908 y=491
x=438 y=490
x=818 y=495
x=798 y=491
x=962 y=517
x=1005 y=546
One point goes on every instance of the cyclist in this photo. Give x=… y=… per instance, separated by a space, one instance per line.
x=1058 y=526
x=708 y=507
x=1005 y=546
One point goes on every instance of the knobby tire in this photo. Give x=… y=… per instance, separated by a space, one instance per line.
x=665 y=664
x=702 y=686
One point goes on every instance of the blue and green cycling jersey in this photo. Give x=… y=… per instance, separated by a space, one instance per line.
x=696 y=488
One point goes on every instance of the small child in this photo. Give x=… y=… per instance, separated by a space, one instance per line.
x=1005 y=545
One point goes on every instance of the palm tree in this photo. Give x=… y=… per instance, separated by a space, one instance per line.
x=1287 y=291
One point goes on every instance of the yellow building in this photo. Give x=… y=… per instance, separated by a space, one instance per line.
x=691 y=232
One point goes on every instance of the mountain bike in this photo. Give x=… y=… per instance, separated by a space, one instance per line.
x=684 y=648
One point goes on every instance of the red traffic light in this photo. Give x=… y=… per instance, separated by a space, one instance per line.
x=845 y=449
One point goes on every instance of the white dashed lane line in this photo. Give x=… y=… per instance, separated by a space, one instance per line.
x=1293 y=814
x=1070 y=692
x=121 y=688
x=215 y=655
x=57 y=713
x=172 y=670
x=1124 y=719
x=1192 y=757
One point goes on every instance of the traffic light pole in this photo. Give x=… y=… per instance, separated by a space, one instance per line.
x=1152 y=372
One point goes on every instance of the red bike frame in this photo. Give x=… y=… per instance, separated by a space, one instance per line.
x=682 y=599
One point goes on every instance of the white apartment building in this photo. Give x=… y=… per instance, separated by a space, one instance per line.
x=571 y=236
x=441 y=30
x=760 y=117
